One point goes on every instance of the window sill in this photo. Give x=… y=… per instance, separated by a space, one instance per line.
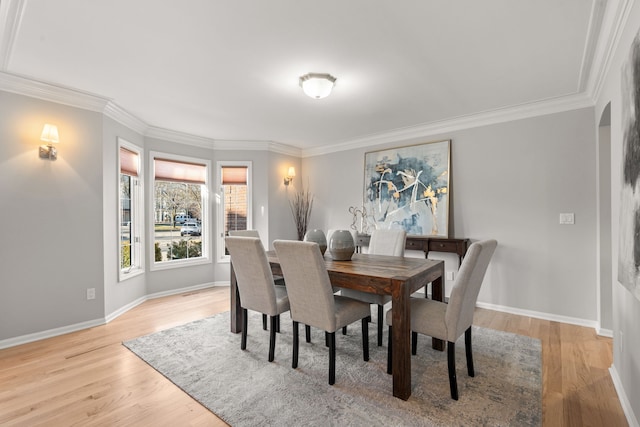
x=167 y=265
x=126 y=275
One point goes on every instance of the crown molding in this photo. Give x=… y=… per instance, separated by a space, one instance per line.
x=614 y=21
x=179 y=137
x=598 y=8
x=27 y=86
x=500 y=115
x=271 y=146
x=125 y=118
x=11 y=13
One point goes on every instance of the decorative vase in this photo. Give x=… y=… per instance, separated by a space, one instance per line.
x=317 y=236
x=341 y=245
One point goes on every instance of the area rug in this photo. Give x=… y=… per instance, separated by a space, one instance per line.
x=205 y=360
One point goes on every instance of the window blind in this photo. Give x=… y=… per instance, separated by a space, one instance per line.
x=128 y=162
x=234 y=175
x=177 y=171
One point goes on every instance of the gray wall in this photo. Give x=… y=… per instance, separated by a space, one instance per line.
x=51 y=216
x=626 y=308
x=510 y=181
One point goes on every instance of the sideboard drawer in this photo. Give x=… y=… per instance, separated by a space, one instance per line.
x=437 y=246
x=414 y=245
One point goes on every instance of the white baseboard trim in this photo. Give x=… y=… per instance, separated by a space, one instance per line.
x=604 y=332
x=540 y=315
x=622 y=397
x=50 y=333
x=37 y=336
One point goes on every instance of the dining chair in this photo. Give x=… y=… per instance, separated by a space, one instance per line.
x=256 y=286
x=382 y=242
x=313 y=301
x=448 y=321
x=278 y=280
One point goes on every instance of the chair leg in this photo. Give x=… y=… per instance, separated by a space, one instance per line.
x=243 y=341
x=414 y=343
x=307 y=333
x=294 y=359
x=344 y=330
x=326 y=339
x=380 y=320
x=389 y=352
x=332 y=358
x=467 y=346
x=272 y=337
x=365 y=339
x=278 y=323
x=451 y=359
x=264 y=322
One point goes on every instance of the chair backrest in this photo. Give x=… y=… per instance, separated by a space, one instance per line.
x=244 y=233
x=387 y=242
x=308 y=285
x=253 y=273
x=464 y=294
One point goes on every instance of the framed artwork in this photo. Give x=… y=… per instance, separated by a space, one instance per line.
x=408 y=188
x=629 y=238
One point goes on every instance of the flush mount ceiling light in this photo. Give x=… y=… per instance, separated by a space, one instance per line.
x=317 y=85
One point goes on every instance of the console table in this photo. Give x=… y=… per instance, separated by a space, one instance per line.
x=426 y=244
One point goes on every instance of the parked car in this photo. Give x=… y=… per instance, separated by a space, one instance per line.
x=181 y=219
x=190 y=229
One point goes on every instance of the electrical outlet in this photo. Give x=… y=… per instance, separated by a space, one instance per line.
x=567 y=218
x=91 y=293
x=449 y=275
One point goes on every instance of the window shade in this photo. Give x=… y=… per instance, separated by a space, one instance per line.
x=176 y=171
x=128 y=162
x=234 y=175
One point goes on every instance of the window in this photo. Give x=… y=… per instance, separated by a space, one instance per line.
x=180 y=210
x=234 y=201
x=130 y=210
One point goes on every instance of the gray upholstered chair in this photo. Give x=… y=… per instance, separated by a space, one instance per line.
x=256 y=286
x=449 y=321
x=382 y=242
x=278 y=280
x=312 y=299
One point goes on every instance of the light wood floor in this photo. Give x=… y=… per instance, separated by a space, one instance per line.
x=88 y=378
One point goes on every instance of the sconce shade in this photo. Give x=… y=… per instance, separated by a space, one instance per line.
x=49 y=133
x=292 y=172
x=317 y=85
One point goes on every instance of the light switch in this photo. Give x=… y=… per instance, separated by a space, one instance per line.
x=566 y=218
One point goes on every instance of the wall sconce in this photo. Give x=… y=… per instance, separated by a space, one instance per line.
x=290 y=174
x=50 y=135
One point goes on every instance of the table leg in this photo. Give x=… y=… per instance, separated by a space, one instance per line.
x=236 y=310
x=437 y=294
x=401 y=345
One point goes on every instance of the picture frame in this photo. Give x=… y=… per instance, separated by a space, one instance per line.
x=409 y=188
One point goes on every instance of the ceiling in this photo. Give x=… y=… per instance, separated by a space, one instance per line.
x=228 y=70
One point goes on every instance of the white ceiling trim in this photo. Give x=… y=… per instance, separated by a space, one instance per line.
x=120 y=115
x=614 y=21
x=598 y=8
x=274 y=147
x=11 y=13
x=179 y=137
x=540 y=108
x=49 y=92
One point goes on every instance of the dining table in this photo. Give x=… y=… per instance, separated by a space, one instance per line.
x=378 y=274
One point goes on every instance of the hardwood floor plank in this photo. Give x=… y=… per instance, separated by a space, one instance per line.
x=87 y=378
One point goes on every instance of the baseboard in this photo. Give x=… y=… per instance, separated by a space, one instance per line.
x=37 y=336
x=604 y=332
x=50 y=333
x=622 y=397
x=540 y=315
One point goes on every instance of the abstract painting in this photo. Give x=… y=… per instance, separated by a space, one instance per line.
x=408 y=188
x=629 y=250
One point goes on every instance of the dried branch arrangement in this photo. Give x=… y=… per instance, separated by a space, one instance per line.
x=301 y=210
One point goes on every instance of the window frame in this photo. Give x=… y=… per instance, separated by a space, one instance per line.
x=137 y=252
x=220 y=216
x=205 y=235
